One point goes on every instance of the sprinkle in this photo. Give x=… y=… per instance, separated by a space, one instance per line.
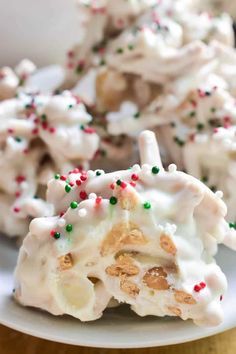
x=221 y=297
x=137 y=115
x=78 y=182
x=134 y=177
x=17 y=139
x=16 y=209
x=98 y=200
x=83 y=195
x=219 y=194
x=67 y=188
x=98 y=173
x=204 y=179
x=172 y=168
x=71 y=184
x=113 y=200
x=63 y=178
x=197 y=288
x=133 y=184
x=130 y=47
x=57 y=176
x=35 y=131
x=179 y=141
x=73 y=205
x=155 y=170
x=119 y=50
x=192 y=114
x=57 y=235
x=44 y=125
x=200 y=126
x=44 y=117
x=20 y=179
x=17 y=194
x=82 y=212
x=112 y=185
x=118 y=182
x=10 y=131
x=83 y=178
x=123 y=185
x=232 y=225
x=52 y=130
x=69 y=227
x=147 y=205
x=89 y=130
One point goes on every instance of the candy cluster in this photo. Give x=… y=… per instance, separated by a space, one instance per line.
x=124 y=236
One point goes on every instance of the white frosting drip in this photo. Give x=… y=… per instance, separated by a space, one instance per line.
x=151 y=246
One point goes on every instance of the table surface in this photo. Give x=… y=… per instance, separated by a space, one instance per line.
x=12 y=342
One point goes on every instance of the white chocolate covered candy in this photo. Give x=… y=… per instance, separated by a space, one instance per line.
x=143 y=236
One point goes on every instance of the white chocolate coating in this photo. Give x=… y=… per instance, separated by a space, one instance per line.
x=149 y=244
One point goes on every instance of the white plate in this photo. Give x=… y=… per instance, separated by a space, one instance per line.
x=118 y=328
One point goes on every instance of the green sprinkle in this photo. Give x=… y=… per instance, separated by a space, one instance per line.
x=82 y=127
x=113 y=200
x=179 y=141
x=172 y=124
x=69 y=227
x=232 y=225
x=192 y=114
x=130 y=47
x=118 y=182
x=18 y=139
x=102 y=62
x=155 y=170
x=213 y=109
x=67 y=188
x=57 y=235
x=43 y=117
x=147 y=205
x=137 y=115
x=213 y=188
x=98 y=173
x=204 y=179
x=73 y=205
x=57 y=176
x=200 y=126
x=119 y=51
x=79 y=69
x=70 y=106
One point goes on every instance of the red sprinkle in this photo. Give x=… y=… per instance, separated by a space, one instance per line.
x=221 y=297
x=17 y=194
x=63 y=178
x=26 y=151
x=134 y=177
x=197 y=288
x=35 y=131
x=83 y=195
x=52 y=232
x=10 y=131
x=123 y=185
x=70 y=54
x=83 y=178
x=71 y=184
x=89 y=130
x=98 y=200
x=44 y=125
x=112 y=185
x=78 y=182
x=61 y=213
x=133 y=184
x=202 y=285
x=20 y=179
x=16 y=209
x=52 y=130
